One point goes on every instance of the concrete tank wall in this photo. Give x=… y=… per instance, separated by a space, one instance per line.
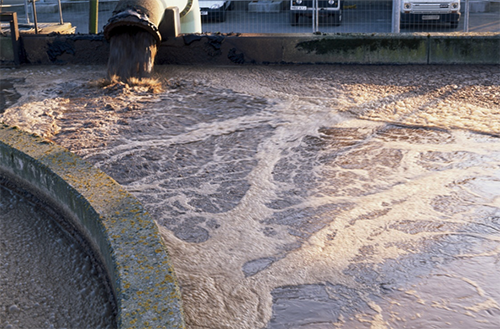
x=237 y=49
x=121 y=234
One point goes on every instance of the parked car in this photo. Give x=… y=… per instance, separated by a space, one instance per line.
x=429 y=11
x=326 y=8
x=214 y=11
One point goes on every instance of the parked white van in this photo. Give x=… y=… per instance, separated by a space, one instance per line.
x=326 y=8
x=414 y=12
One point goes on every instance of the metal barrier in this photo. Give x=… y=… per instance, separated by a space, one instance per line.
x=308 y=16
x=11 y=18
x=28 y=12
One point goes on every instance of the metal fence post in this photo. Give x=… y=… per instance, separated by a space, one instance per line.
x=315 y=16
x=34 y=16
x=466 y=16
x=396 y=16
x=93 y=16
x=26 y=9
x=60 y=12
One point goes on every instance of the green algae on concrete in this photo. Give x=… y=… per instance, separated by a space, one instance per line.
x=465 y=48
x=6 y=50
x=114 y=223
x=360 y=49
x=306 y=48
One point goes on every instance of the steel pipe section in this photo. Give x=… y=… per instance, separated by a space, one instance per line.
x=149 y=14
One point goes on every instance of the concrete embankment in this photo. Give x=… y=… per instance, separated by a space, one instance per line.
x=237 y=49
x=117 y=229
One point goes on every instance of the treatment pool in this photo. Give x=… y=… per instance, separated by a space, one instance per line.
x=300 y=196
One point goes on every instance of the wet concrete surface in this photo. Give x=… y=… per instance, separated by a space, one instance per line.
x=301 y=196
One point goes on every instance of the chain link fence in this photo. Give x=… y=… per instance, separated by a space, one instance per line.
x=293 y=16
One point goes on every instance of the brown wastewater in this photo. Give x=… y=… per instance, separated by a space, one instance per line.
x=47 y=278
x=299 y=196
x=123 y=63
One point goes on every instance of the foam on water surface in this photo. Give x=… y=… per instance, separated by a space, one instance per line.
x=305 y=196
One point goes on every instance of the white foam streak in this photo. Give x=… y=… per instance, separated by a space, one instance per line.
x=268 y=183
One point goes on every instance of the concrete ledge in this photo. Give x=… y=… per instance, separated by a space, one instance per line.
x=415 y=48
x=358 y=49
x=295 y=49
x=468 y=49
x=235 y=49
x=114 y=223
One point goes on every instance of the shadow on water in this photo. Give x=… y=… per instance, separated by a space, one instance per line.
x=8 y=93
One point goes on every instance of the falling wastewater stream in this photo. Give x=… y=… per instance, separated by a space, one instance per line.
x=301 y=196
x=131 y=54
x=134 y=32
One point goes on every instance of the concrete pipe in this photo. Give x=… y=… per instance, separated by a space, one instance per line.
x=149 y=14
x=137 y=28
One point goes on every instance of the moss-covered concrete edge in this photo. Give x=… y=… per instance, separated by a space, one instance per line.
x=238 y=49
x=119 y=229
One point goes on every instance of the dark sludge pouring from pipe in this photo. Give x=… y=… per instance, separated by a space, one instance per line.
x=133 y=34
x=137 y=28
x=132 y=54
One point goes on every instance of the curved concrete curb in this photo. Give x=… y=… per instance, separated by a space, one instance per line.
x=114 y=223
